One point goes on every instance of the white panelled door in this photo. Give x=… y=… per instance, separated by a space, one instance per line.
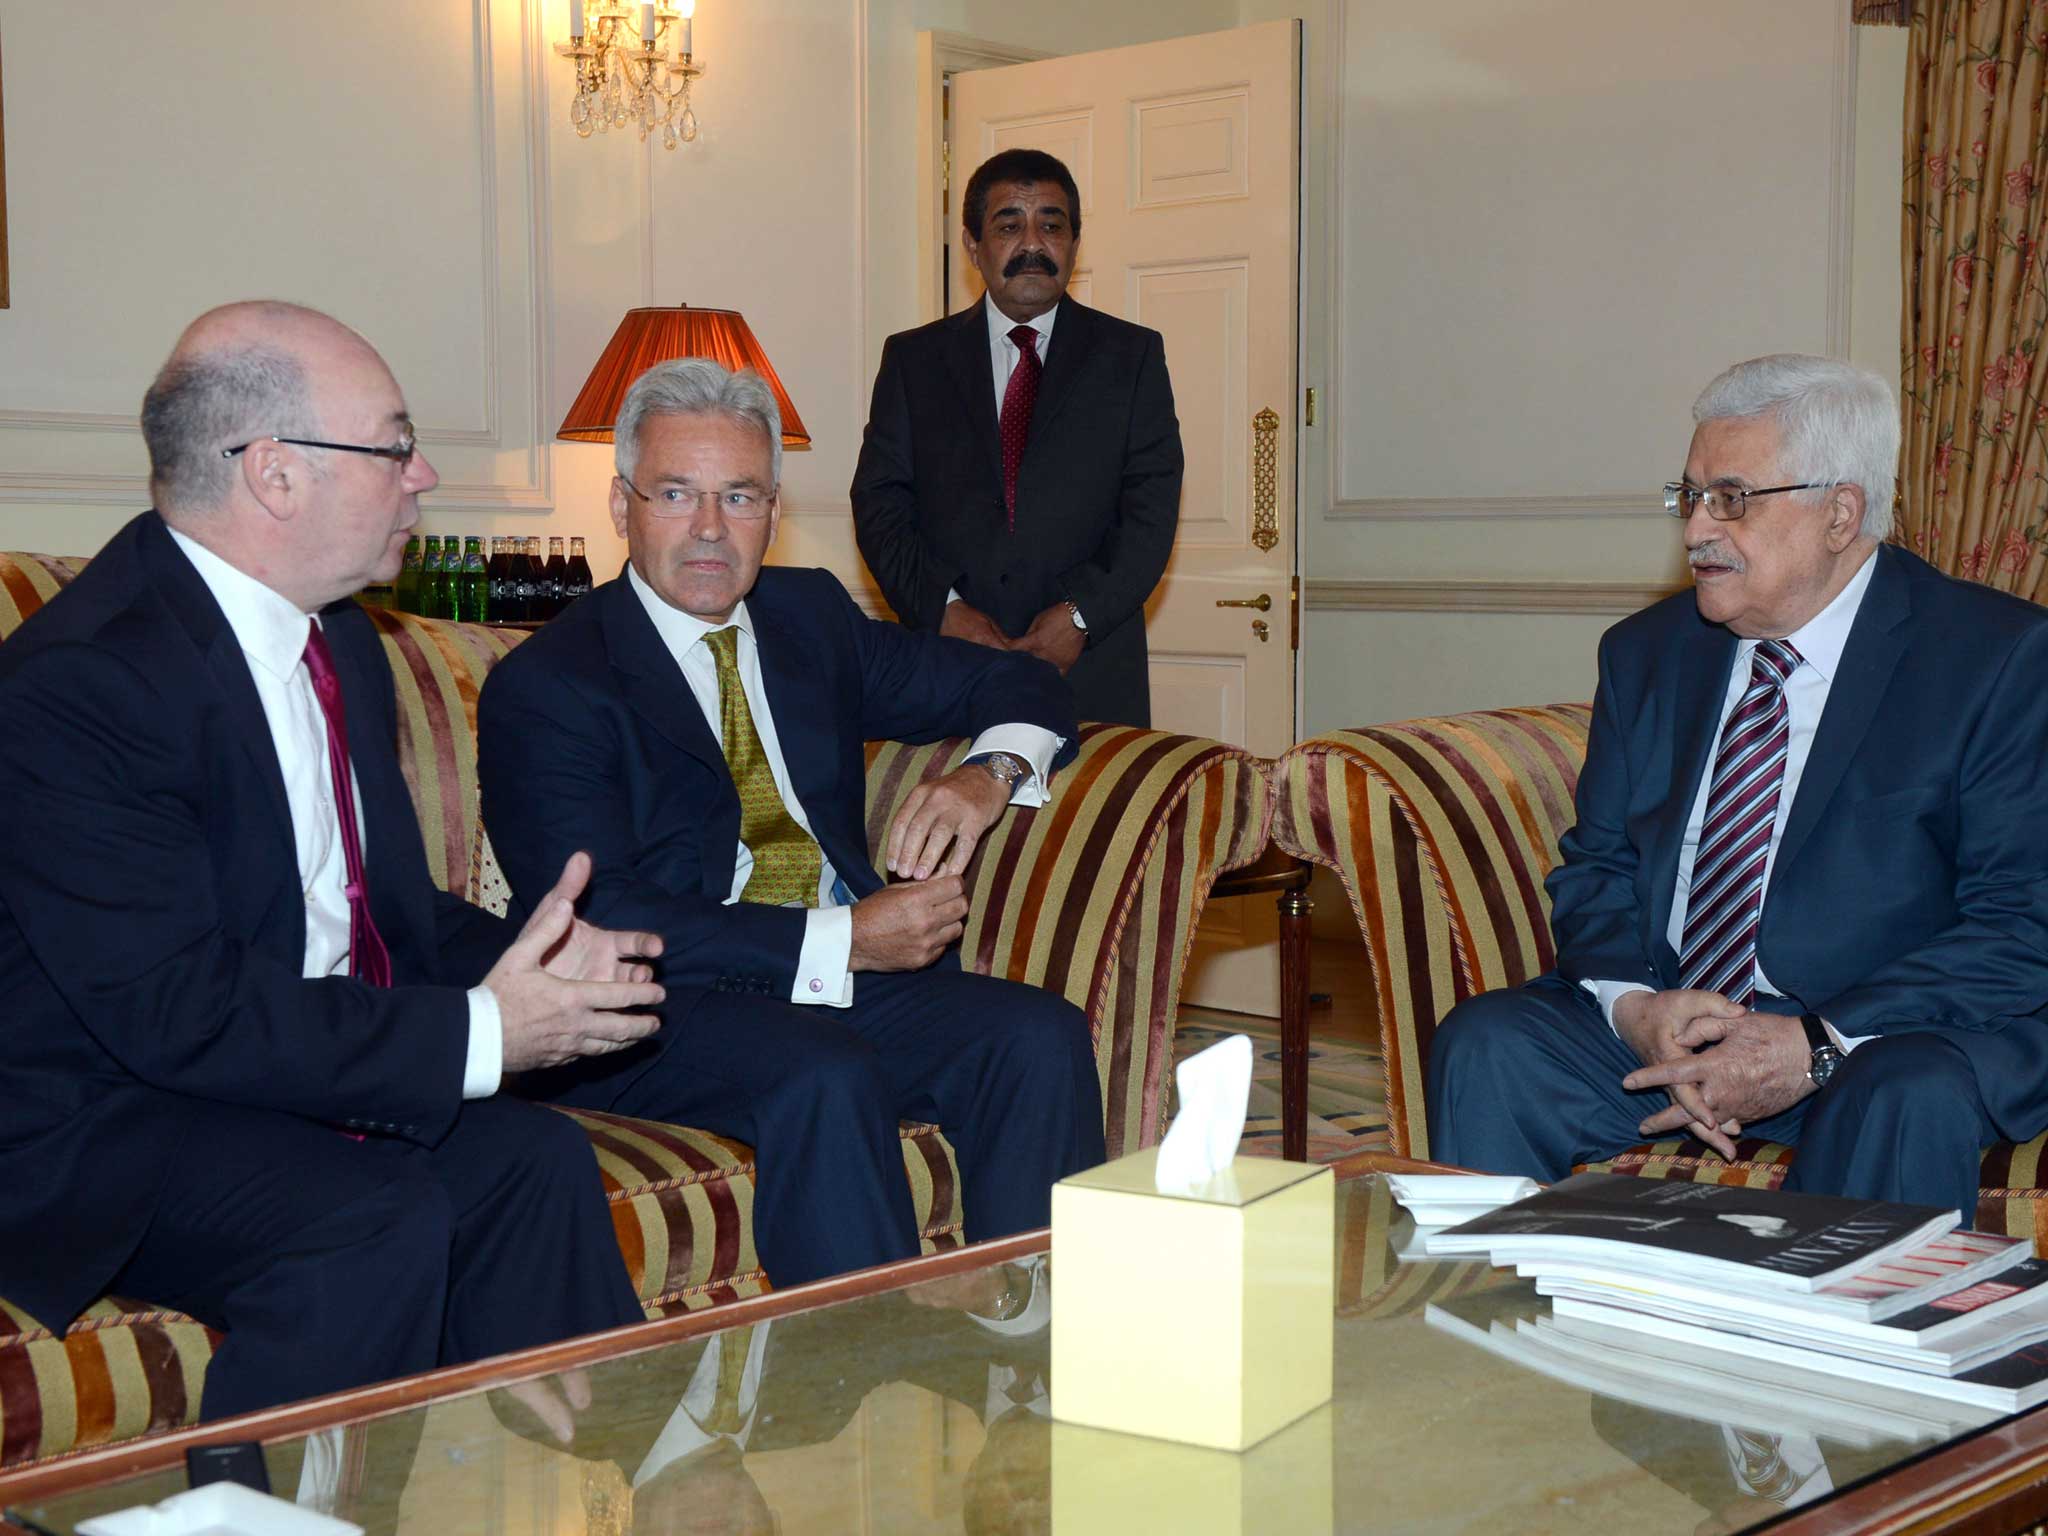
x=1187 y=154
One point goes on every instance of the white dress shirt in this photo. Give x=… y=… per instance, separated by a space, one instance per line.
x=822 y=973
x=1820 y=642
x=685 y=1434
x=272 y=632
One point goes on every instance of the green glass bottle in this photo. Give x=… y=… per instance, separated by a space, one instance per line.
x=474 y=588
x=430 y=580
x=408 y=591
x=447 y=589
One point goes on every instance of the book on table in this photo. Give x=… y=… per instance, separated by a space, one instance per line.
x=1719 y=1234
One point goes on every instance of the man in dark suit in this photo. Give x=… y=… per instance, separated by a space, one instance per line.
x=698 y=725
x=1807 y=893
x=1019 y=483
x=249 y=1052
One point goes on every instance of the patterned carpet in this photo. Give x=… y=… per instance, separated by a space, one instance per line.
x=1347 y=1089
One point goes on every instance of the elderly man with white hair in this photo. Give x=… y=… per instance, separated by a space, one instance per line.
x=1807 y=894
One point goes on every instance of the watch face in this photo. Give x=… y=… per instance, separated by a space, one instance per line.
x=1825 y=1060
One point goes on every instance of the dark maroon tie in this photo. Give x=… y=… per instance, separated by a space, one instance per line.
x=1018 y=399
x=368 y=960
x=1725 y=902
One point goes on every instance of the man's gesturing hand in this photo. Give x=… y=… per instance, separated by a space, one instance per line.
x=950 y=812
x=1053 y=637
x=1754 y=1065
x=907 y=927
x=964 y=621
x=560 y=983
x=1653 y=1025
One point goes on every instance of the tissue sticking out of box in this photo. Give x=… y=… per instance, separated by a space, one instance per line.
x=1215 y=1088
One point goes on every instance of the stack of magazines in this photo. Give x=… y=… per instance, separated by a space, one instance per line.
x=1778 y=1288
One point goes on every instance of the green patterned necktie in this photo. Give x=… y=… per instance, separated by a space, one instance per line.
x=787 y=860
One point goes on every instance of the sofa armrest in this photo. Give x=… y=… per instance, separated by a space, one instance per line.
x=1441 y=831
x=1096 y=894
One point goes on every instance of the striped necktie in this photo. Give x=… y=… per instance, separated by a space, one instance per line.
x=788 y=863
x=1726 y=898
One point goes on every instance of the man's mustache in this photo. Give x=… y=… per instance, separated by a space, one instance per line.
x=1031 y=261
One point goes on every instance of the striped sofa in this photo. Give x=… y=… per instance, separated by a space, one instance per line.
x=1442 y=831
x=1095 y=896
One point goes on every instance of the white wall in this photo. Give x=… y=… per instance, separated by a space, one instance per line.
x=1541 y=229
x=407 y=164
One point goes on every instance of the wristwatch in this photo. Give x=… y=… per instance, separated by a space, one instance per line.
x=1004 y=767
x=1826 y=1054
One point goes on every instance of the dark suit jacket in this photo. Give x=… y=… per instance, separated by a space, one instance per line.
x=1098 y=493
x=152 y=927
x=588 y=737
x=1910 y=888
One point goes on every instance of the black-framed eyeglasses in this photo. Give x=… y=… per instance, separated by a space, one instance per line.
x=740 y=501
x=400 y=452
x=1726 y=501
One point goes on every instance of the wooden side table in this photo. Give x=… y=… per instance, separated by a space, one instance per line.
x=1287 y=876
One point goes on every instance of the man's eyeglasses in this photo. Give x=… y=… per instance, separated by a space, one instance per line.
x=1725 y=500
x=400 y=452
x=739 y=502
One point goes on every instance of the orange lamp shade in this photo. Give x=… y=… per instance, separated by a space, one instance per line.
x=649 y=336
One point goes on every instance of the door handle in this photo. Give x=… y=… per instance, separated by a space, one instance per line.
x=1262 y=602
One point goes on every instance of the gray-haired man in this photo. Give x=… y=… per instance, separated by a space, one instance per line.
x=1807 y=895
x=698 y=724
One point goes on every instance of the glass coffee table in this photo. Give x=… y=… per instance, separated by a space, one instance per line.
x=881 y=1402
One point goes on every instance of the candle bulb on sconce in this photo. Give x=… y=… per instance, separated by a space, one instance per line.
x=620 y=79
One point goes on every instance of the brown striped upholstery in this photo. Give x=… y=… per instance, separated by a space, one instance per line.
x=1096 y=895
x=1442 y=831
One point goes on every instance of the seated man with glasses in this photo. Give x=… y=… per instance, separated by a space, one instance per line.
x=250 y=1054
x=697 y=725
x=1807 y=895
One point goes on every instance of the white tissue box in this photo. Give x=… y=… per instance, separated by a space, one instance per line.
x=1107 y=1484
x=1206 y=1317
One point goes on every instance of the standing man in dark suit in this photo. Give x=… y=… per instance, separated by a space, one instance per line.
x=249 y=1053
x=1808 y=889
x=698 y=724
x=1019 y=483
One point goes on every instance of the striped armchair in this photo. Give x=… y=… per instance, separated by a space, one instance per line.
x=1095 y=895
x=1442 y=831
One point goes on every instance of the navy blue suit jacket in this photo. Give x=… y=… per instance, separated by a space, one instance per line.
x=588 y=737
x=1910 y=888
x=152 y=925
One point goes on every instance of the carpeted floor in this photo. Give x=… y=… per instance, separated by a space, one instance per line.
x=1347 y=1090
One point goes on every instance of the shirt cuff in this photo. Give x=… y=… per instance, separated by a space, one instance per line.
x=952 y=596
x=1035 y=745
x=485 y=1066
x=1847 y=1043
x=822 y=977
x=1608 y=993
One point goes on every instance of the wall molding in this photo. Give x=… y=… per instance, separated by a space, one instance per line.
x=1432 y=508
x=1608 y=599
x=1838 y=289
x=536 y=492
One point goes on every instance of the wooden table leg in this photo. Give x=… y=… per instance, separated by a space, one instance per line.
x=1295 y=908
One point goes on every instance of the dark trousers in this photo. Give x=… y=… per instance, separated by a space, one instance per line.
x=1007 y=1071
x=1527 y=1080
x=330 y=1262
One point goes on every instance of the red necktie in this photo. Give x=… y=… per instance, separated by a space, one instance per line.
x=1018 y=399
x=1725 y=902
x=368 y=960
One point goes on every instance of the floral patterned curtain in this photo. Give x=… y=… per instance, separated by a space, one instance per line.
x=1973 y=470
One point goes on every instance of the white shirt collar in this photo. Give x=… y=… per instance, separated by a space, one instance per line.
x=1000 y=325
x=680 y=631
x=1822 y=638
x=270 y=628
